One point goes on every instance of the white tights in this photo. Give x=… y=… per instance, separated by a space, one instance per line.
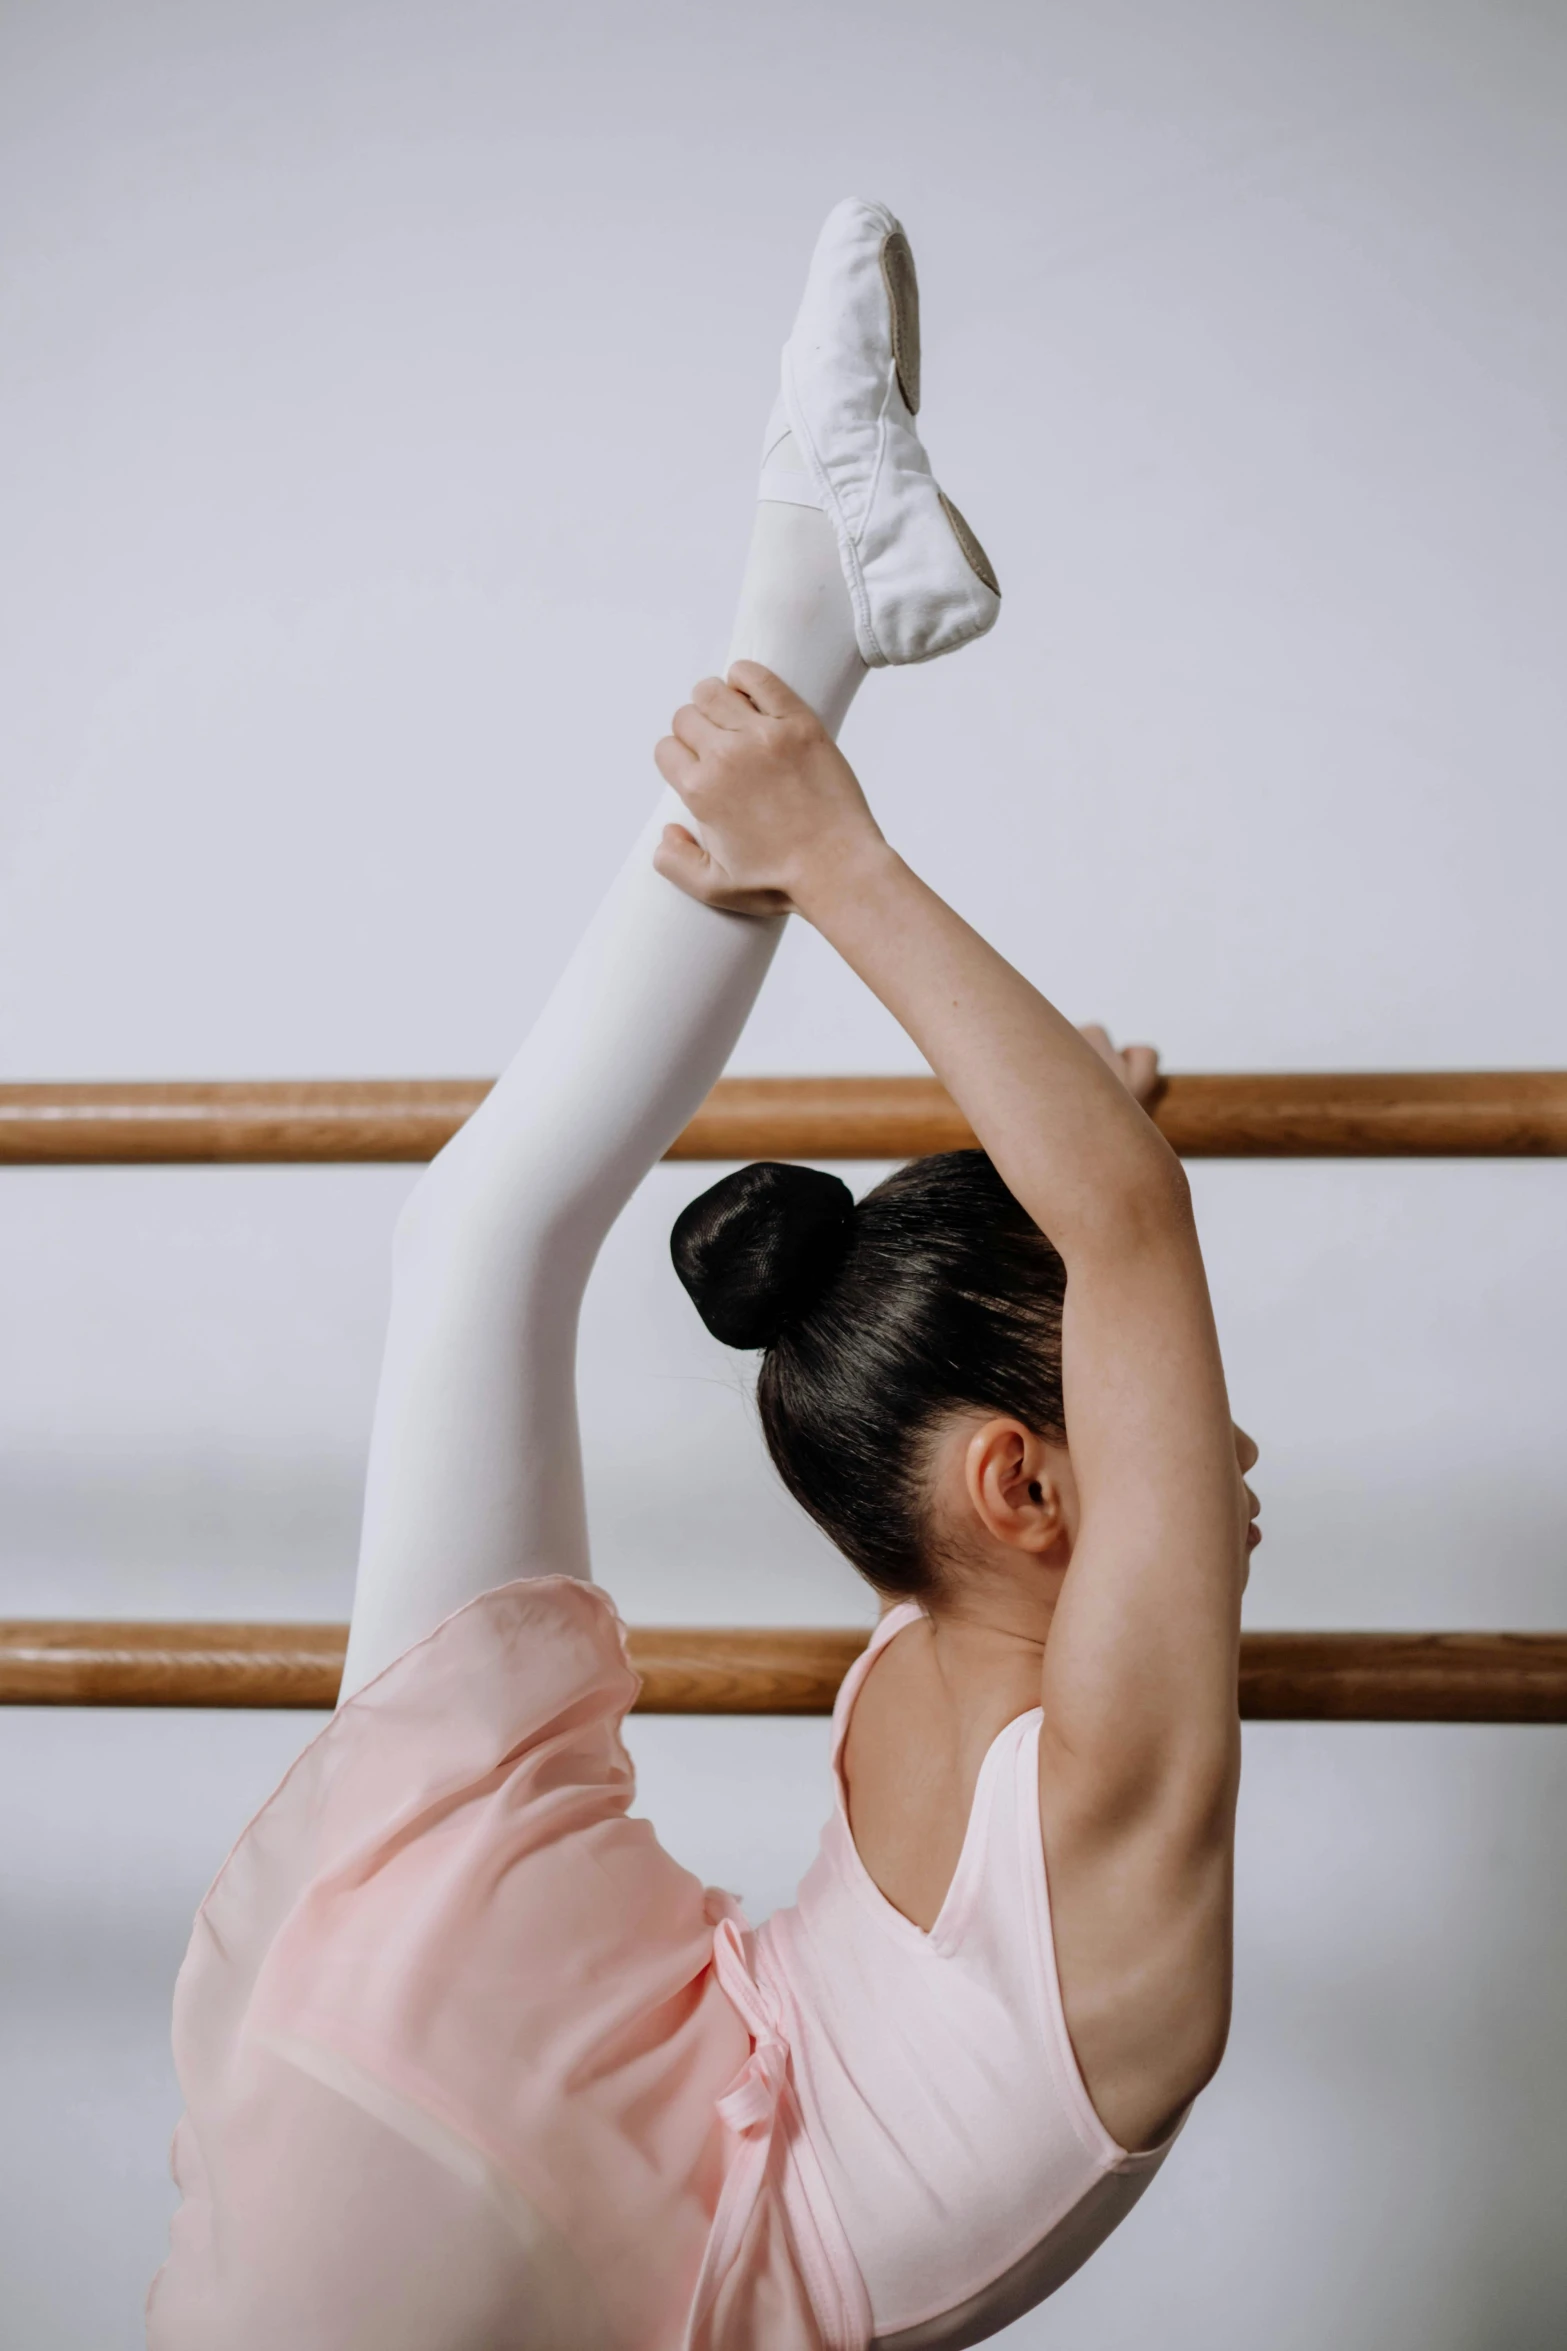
x=475 y=1473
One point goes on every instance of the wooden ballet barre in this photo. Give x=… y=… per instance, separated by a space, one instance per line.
x=1285 y=1677
x=1489 y=1114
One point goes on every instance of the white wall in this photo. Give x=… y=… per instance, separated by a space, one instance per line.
x=379 y=392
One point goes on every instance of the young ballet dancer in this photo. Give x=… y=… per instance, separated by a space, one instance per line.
x=470 y=2063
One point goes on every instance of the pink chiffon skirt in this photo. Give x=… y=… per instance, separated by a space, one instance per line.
x=454 y=2047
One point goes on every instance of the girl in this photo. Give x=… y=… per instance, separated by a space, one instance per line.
x=470 y=2063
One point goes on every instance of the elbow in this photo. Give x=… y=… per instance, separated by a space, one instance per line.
x=1146 y=1204
x=1159 y=1192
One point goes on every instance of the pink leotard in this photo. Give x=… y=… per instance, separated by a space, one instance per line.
x=935 y=2077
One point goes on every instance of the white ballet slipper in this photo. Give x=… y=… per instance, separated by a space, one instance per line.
x=919 y=581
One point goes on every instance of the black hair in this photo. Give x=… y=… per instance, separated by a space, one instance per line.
x=938 y=1292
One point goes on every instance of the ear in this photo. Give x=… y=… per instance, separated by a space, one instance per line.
x=1016 y=1484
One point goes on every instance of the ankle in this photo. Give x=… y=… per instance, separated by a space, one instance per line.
x=794 y=616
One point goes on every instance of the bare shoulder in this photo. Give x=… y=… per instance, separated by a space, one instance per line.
x=917 y=1740
x=903 y=1778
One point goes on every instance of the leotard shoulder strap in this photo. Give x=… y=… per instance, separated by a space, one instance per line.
x=907 y=1612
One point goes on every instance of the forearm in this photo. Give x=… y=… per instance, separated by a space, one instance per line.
x=1066 y=1137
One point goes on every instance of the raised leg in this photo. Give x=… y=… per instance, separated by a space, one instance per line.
x=857 y=558
x=475 y=1472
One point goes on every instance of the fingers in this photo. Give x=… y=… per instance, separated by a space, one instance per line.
x=722 y=704
x=695 y=729
x=1137 y=1066
x=676 y=764
x=1140 y=1068
x=714 y=711
x=765 y=692
x=681 y=859
x=719 y=710
x=1093 y=1034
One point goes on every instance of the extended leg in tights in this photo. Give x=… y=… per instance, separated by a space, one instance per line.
x=475 y=1474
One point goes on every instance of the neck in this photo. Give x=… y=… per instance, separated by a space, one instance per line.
x=997 y=1615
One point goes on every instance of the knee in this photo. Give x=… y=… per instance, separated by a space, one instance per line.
x=475 y=1228
x=425 y=1215
x=446 y=1221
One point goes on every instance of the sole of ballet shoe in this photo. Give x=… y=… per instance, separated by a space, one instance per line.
x=918 y=578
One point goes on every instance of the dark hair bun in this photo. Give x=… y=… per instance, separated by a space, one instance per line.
x=758 y=1250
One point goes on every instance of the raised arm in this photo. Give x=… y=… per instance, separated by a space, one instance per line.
x=1139 y=1753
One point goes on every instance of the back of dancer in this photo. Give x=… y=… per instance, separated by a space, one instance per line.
x=470 y=2063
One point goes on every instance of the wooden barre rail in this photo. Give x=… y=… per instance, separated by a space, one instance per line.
x=1491 y=1114
x=1299 y=1677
